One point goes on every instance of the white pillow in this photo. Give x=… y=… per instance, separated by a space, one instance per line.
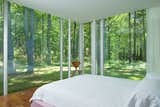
x=147 y=92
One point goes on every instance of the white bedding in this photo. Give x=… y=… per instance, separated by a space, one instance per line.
x=147 y=92
x=143 y=99
x=87 y=91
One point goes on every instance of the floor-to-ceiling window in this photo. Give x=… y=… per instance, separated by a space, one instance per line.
x=125 y=45
x=33 y=52
x=34 y=47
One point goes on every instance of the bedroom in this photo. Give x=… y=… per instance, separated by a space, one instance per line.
x=92 y=45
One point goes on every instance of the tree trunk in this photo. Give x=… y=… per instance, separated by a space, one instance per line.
x=119 y=47
x=105 y=43
x=137 y=53
x=74 y=42
x=98 y=47
x=31 y=41
x=26 y=31
x=11 y=68
x=42 y=39
x=144 y=36
x=135 y=35
x=89 y=52
x=109 y=42
x=124 y=54
x=29 y=37
x=48 y=40
x=141 y=47
x=130 y=41
x=15 y=31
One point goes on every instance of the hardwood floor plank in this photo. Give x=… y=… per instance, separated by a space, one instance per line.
x=18 y=99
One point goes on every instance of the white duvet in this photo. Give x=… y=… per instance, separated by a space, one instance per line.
x=87 y=91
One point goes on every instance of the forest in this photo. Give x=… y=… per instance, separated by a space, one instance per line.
x=34 y=40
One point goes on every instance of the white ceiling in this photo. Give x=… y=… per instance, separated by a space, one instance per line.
x=87 y=10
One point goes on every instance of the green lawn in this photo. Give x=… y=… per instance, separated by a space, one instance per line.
x=134 y=71
x=47 y=74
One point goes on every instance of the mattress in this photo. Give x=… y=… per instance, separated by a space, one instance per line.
x=86 y=91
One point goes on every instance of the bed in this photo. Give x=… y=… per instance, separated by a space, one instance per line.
x=89 y=91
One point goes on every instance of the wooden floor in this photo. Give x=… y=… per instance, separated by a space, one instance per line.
x=19 y=99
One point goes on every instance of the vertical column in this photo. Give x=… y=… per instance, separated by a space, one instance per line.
x=69 y=48
x=81 y=46
x=153 y=40
x=5 y=49
x=61 y=48
x=93 y=48
x=102 y=46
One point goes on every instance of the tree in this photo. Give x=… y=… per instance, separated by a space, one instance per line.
x=105 y=42
x=135 y=36
x=74 y=42
x=29 y=37
x=48 y=40
x=144 y=31
x=109 y=39
x=141 y=46
x=11 y=68
x=31 y=42
x=130 y=43
x=42 y=42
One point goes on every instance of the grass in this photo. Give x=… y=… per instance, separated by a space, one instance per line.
x=46 y=74
x=134 y=71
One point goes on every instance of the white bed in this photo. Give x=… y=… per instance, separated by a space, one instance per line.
x=87 y=91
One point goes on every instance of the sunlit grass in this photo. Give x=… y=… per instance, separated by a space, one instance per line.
x=46 y=74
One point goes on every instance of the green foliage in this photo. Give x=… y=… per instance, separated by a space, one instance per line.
x=116 y=28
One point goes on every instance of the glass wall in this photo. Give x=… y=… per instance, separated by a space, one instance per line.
x=34 y=48
x=125 y=45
